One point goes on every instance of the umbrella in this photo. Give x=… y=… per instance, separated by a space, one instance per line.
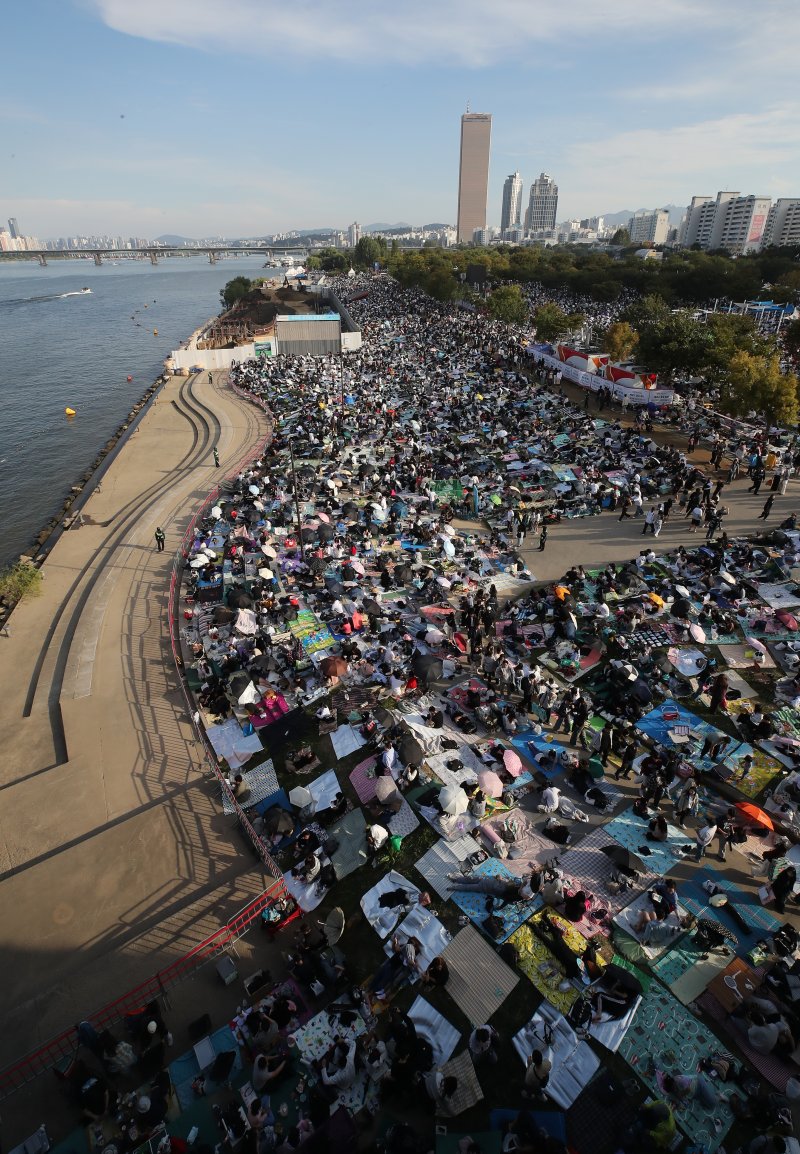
x=349 y=509
x=198 y=562
x=403 y=572
x=681 y=608
x=253 y=489
x=448 y=548
x=372 y=607
x=443 y=582
x=223 y=616
x=333 y=666
x=427 y=666
x=333 y=926
x=641 y=691
x=216 y=512
x=755 y=814
x=326 y=532
x=787 y=619
x=453 y=800
x=624 y=858
x=410 y=751
x=713 y=927
x=512 y=762
x=317 y=564
x=348 y=572
x=490 y=783
x=268 y=551
x=240 y=600
x=357 y=567
x=434 y=636
x=324 y=517
x=300 y=796
x=266 y=574
x=697 y=633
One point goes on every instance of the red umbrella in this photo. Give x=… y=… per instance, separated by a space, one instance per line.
x=755 y=814
x=787 y=619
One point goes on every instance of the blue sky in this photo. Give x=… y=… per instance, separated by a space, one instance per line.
x=241 y=117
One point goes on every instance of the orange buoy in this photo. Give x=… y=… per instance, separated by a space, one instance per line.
x=70 y=412
x=130 y=378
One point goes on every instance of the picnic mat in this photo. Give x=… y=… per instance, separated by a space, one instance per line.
x=686 y=970
x=442 y=859
x=529 y=847
x=262 y=782
x=323 y=790
x=489 y=1142
x=307 y=895
x=629 y=830
x=763 y=770
x=666 y=1037
x=599 y=1117
x=696 y=899
x=350 y=832
x=479 y=980
x=315 y=1039
x=671 y=717
x=479 y=906
x=423 y=925
x=663 y=938
x=362 y=779
x=185 y=1069
x=533 y=954
x=550 y=1120
x=469 y=1088
x=404 y=822
x=345 y=740
x=776 y=1072
x=430 y=1024
x=589 y=867
x=384 y=919
x=574 y=1062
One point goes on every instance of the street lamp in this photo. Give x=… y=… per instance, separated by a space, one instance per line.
x=296 y=500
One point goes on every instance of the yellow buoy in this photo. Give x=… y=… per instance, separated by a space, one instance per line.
x=155 y=332
x=70 y=412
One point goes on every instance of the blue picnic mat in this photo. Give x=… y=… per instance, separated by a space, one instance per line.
x=282 y=800
x=185 y=1069
x=672 y=715
x=555 y=1124
x=692 y=895
x=474 y=904
x=529 y=745
x=629 y=830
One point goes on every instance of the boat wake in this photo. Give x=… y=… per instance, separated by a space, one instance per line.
x=14 y=301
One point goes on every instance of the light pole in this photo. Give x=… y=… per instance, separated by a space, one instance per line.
x=296 y=502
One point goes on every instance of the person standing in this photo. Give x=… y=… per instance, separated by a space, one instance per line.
x=210 y=379
x=216 y=456
x=704 y=837
x=160 y=539
x=542 y=538
x=482 y=1045
x=765 y=512
x=725 y=827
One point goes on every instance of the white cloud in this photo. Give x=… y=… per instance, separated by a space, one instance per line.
x=462 y=32
x=749 y=152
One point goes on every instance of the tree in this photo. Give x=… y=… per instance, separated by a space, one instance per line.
x=367 y=252
x=234 y=290
x=18 y=581
x=621 y=237
x=757 y=384
x=549 y=321
x=507 y=304
x=791 y=336
x=620 y=341
x=679 y=345
x=440 y=283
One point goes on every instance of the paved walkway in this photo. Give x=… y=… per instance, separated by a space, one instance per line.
x=114 y=857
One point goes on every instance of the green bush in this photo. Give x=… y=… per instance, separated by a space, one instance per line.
x=18 y=581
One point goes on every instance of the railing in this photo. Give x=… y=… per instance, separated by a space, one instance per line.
x=65 y=1045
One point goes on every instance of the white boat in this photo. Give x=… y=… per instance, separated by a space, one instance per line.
x=85 y=290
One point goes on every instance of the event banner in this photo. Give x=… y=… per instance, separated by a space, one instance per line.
x=633 y=396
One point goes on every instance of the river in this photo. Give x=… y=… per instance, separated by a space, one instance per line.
x=61 y=348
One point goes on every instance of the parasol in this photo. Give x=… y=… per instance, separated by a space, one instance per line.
x=410 y=751
x=300 y=796
x=490 y=783
x=787 y=620
x=199 y=561
x=266 y=574
x=453 y=800
x=216 y=512
x=333 y=926
x=333 y=666
x=697 y=633
x=268 y=551
x=512 y=762
x=755 y=814
x=710 y=926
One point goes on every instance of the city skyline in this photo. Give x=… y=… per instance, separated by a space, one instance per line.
x=103 y=133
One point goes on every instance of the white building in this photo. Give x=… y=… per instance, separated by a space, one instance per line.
x=354 y=234
x=649 y=227
x=481 y=236
x=783 y=223
x=542 y=205
x=732 y=222
x=511 y=213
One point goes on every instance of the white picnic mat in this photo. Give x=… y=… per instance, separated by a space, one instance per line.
x=574 y=1062
x=426 y=927
x=430 y=1024
x=345 y=740
x=611 y=1033
x=230 y=743
x=382 y=920
x=323 y=790
x=442 y=859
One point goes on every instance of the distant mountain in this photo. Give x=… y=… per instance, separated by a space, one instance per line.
x=173 y=238
x=436 y=227
x=620 y=219
x=382 y=227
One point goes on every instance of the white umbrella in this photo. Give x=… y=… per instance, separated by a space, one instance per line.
x=259 y=505
x=300 y=796
x=449 y=530
x=249 y=696
x=453 y=800
x=210 y=553
x=268 y=551
x=449 y=548
x=253 y=489
x=357 y=567
x=445 y=584
x=216 y=512
x=198 y=562
x=698 y=633
x=434 y=636
x=266 y=574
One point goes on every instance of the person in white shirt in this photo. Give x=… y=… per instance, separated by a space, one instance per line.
x=482 y=1042
x=343 y=1074
x=551 y=799
x=704 y=837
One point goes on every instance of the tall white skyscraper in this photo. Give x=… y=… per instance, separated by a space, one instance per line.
x=354 y=234
x=732 y=222
x=542 y=204
x=649 y=227
x=511 y=214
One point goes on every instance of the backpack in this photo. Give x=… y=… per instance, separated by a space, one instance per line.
x=579 y=1014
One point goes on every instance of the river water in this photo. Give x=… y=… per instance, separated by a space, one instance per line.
x=60 y=348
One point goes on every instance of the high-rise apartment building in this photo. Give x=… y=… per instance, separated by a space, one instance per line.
x=783 y=223
x=732 y=222
x=511 y=214
x=649 y=227
x=542 y=204
x=13 y=228
x=354 y=234
x=473 y=173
